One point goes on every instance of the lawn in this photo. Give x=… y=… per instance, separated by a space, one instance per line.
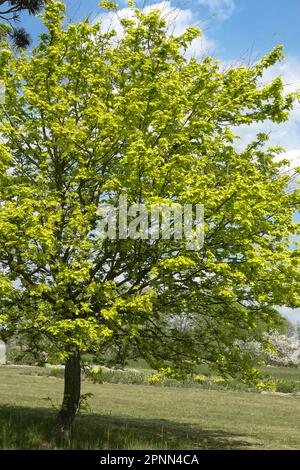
x=122 y=416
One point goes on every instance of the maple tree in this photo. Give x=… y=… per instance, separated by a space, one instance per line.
x=87 y=119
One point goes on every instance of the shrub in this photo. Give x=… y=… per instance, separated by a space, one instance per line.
x=200 y=378
x=269 y=385
x=17 y=356
x=98 y=375
x=287 y=386
x=155 y=379
x=218 y=380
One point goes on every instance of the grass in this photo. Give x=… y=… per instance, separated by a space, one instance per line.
x=283 y=373
x=145 y=417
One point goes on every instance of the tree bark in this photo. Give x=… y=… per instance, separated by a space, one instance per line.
x=71 y=397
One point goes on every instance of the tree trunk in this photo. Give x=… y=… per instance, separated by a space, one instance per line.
x=71 y=398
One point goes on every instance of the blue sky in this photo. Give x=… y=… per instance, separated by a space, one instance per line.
x=255 y=24
x=237 y=26
x=235 y=31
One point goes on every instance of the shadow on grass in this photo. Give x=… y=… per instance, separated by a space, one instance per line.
x=29 y=428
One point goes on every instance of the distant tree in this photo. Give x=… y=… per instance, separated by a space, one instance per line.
x=10 y=12
x=297 y=328
x=287 y=328
x=87 y=119
x=274 y=349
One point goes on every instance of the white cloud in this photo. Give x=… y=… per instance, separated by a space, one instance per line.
x=221 y=9
x=178 y=20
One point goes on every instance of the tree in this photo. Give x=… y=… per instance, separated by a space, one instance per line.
x=10 y=11
x=275 y=349
x=288 y=329
x=297 y=328
x=88 y=119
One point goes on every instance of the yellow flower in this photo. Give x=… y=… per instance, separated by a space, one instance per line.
x=155 y=379
x=218 y=379
x=268 y=385
x=200 y=378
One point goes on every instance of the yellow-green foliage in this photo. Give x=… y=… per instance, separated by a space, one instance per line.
x=87 y=119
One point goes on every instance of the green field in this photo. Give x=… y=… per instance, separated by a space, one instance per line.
x=123 y=416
